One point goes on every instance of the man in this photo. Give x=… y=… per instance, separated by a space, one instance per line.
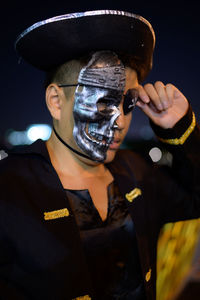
x=80 y=219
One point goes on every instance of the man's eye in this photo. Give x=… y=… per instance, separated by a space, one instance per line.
x=104 y=106
x=101 y=106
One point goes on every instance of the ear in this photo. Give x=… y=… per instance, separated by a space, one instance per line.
x=54 y=100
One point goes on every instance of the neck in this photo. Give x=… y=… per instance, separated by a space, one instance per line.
x=69 y=163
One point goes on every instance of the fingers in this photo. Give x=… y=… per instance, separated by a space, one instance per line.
x=158 y=96
x=155 y=93
x=165 y=105
x=143 y=96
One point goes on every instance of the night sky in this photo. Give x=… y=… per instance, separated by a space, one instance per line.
x=176 y=56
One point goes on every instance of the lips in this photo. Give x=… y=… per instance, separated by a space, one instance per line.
x=115 y=144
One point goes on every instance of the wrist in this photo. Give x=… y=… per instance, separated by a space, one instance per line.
x=180 y=132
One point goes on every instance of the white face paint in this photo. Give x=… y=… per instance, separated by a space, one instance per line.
x=96 y=108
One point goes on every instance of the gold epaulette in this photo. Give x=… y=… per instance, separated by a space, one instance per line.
x=86 y=297
x=56 y=214
x=184 y=137
x=133 y=194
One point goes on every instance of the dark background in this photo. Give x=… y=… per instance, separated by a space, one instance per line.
x=176 y=56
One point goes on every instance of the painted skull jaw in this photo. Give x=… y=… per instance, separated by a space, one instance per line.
x=93 y=144
x=95 y=113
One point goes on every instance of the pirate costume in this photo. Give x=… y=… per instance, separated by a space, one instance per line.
x=54 y=244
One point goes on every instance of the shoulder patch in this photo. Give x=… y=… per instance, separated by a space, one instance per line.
x=3 y=154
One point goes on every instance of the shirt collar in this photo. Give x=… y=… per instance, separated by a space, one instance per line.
x=37 y=148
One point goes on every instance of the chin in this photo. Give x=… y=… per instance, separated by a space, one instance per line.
x=110 y=156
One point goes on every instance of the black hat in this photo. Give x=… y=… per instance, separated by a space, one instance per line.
x=49 y=43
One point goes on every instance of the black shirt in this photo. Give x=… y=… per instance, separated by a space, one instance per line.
x=110 y=246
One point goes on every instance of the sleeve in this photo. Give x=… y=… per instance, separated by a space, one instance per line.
x=7 y=253
x=179 y=187
x=7 y=260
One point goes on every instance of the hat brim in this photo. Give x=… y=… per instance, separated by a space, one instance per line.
x=51 y=42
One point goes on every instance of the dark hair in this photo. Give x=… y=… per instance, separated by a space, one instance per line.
x=68 y=72
x=134 y=63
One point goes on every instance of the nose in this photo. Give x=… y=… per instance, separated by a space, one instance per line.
x=120 y=121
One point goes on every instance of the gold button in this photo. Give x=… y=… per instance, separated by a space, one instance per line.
x=133 y=194
x=148 y=275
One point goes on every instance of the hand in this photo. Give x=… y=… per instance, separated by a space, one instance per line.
x=165 y=105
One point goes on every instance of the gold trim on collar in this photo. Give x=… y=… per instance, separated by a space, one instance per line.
x=133 y=194
x=86 y=297
x=184 y=137
x=56 y=214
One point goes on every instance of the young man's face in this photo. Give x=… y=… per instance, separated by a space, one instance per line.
x=99 y=125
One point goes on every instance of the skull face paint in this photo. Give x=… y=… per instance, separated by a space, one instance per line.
x=96 y=108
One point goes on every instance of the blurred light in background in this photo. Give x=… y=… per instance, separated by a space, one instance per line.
x=38 y=131
x=3 y=154
x=30 y=135
x=146 y=132
x=16 y=138
x=155 y=154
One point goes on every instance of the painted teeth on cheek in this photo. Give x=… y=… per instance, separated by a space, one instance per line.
x=91 y=131
x=99 y=137
x=95 y=137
